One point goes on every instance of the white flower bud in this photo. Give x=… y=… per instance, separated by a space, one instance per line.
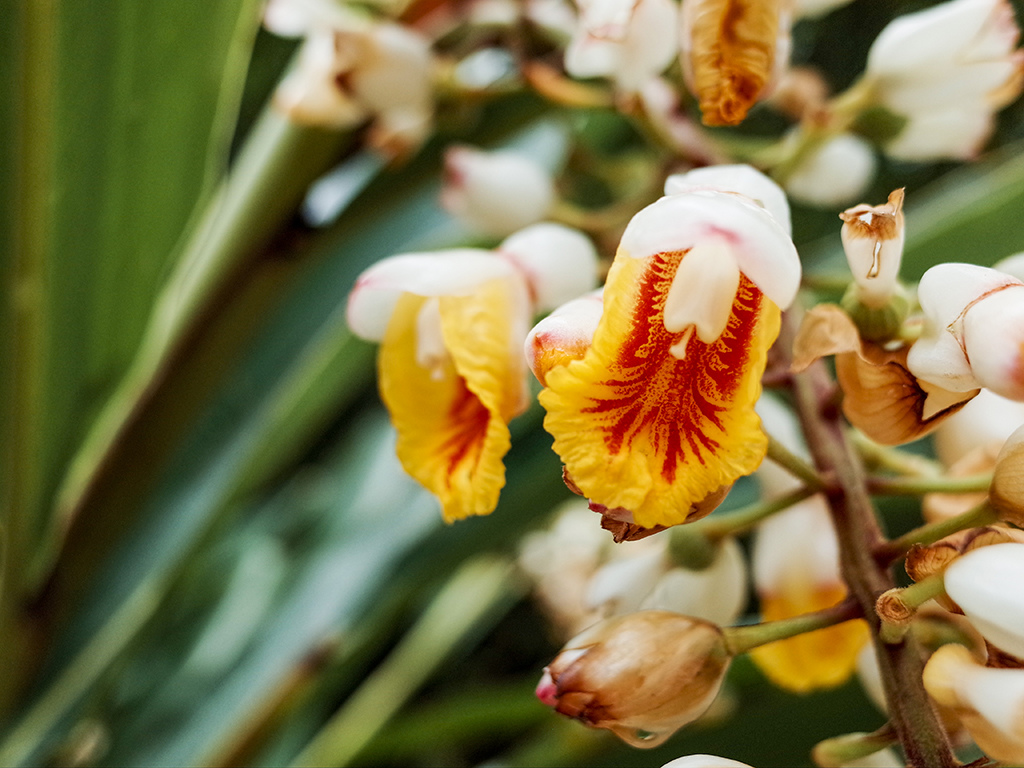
x=495 y=193
x=740 y=179
x=836 y=173
x=717 y=593
x=873 y=241
x=986 y=584
x=989 y=702
x=1012 y=265
x=564 y=335
x=704 y=761
x=985 y=422
x=974 y=330
x=947 y=69
x=630 y=41
x=560 y=263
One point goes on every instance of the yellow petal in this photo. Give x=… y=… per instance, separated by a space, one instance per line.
x=452 y=416
x=821 y=659
x=640 y=429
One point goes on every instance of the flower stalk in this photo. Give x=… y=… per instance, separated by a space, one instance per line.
x=983 y=514
x=744 y=638
x=916 y=725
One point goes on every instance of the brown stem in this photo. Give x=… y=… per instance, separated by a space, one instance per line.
x=924 y=741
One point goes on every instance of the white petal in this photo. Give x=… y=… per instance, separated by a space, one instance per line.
x=444 y=273
x=621 y=585
x=744 y=179
x=986 y=584
x=796 y=546
x=394 y=70
x=994 y=338
x=717 y=594
x=836 y=174
x=568 y=331
x=560 y=262
x=762 y=248
x=956 y=133
x=984 y=422
x=944 y=293
x=650 y=45
x=496 y=193
x=703 y=291
x=780 y=423
x=997 y=695
x=704 y=761
x=1012 y=265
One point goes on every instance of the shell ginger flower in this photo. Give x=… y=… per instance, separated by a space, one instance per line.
x=947 y=70
x=656 y=415
x=451 y=326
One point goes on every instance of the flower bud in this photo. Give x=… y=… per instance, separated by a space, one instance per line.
x=495 y=193
x=873 y=240
x=986 y=584
x=834 y=174
x=704 y=761
x=564 y=335
x=1007 y=490
x=989 y=702
x=642 y=675
x=985 y=422
x=974 y=330
x=560 y=263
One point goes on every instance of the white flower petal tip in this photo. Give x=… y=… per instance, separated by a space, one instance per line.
x=1012 y=265
x=495 y=193
x=947 y=69
x=629 y=41
x=742 y=179
x=836 y=174
x=560 y=263
x=761 y=247
x=974 y=330
x=717 y=593
x=989 y=702
x=986 y=584
x=873 y=241
x=704 y=761
x=296 y=18
x=443 y=273
x=564 y=335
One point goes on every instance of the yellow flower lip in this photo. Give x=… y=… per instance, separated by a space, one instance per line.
x=652 y=418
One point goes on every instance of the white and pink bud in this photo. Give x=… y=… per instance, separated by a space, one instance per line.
x=986 y=584
x=873 y=241
x=641 y=675
x=627 y=41
x=560 y=262
x=495 y=193
x=974 y=330
x=564 y=335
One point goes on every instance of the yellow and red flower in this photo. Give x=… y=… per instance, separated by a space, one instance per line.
x=451 y=326
x=656 y=413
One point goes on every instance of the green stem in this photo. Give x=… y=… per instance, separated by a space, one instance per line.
x=915 y=486
x=795 y=465
x=843 y=750
x=478 y=588
x=983 y=514
x=924 y=740
x=717 y=527
x=742 y=639
x=893 y=459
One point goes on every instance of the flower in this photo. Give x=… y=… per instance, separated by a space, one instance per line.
x=630 y=41
x=704 y=761
x=873 y=241
x=1007 y=490
x=656 y=414
x=732 y=54
x=974 y=330
x=351 y=69
x=986 y=584
x=495 y=193
x=451 y=325
x=989 y=702
x=642 y=675
x=947 y=70
x=833 y=174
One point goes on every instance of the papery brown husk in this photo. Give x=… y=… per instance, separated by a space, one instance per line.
x=881 y=397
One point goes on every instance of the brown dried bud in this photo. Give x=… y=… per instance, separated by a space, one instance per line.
x=890 y=607
x=1007 y=491
x=641 y=675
